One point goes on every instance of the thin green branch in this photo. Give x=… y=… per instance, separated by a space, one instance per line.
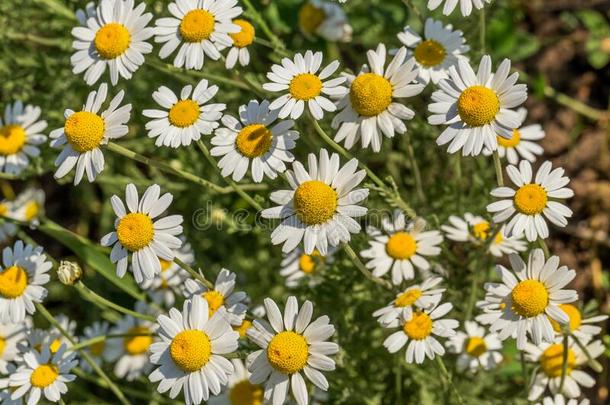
x=498 y=168
x=92 y=296
x=448 y=379
x=354 y=258
x=194 y=274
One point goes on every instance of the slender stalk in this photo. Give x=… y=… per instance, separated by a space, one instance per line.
x=594 y=364
x=260 y=22
x=188 y=75
x=482 y=31
x=92 y=296
x=195 y=274
x=412 y=9
x=523 y=370
x=473 y=291
x=98 y=339
x=577 y=106
x=416 y=173
x=544 y=247
x=564 y=362
x=458 y=181
x=354 y=258
x=448 y=379
x=498 y=168
x=268 y=44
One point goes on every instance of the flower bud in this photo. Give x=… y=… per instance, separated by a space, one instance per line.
x=69 y=272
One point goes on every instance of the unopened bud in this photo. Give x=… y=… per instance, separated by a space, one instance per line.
x=69 y=272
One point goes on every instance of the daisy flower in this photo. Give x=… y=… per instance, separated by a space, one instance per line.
x=241 y=40
x=476 y=349
x=183 y=120
x=190 y=353
x=439 y=49
x=22 y=277
x=28 y=206
x=519 y=145
x=291 y=345
x=579 y=326
x=531 y=297
x=305 y=86
x=475 y=229
x=99 y=351
x=559 y=399
x=20 y=135
x=6 y=391
x=254 y=140
x=324 y=19
x=200 y=28
x=7 y=228
x=419 y=331
x=112 y=35
x=239 y=389
x=85 y=131
x=43 y=373
x=532 y=201
x=400 y=247
x=465 y=5
x=549 y=357
x=372 y=109
x=11 y=335
x=52 y=338
x=476 y=108
x=233 y=302
x=321 y=207
x=415 y=297
x=135 y=232
x=298 y=265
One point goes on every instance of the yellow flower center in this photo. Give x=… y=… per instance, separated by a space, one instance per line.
x=481 y=230
x=3 y=209
x=253 y=140
x=97 y=349
x=112 y=40
x=475 y=346
x=574 y=315
x=190 y=349
x=215 y=300
x=370 y=94
x=408 y=298
x=512 y=142
x=307 y=263
x=478 y=105
x=2 y=345
x=13 y=282
x=135 y=345
x=165 y=264
x=310 y=18
x=244 y=37
x=197 y=25
x=184 y=113
x=31 y=210
x=246 y=393
x=530 y=298
x=135 y=231
x=401 y=246
x=12 y=139
x=44 y=375
x=315 y=202
x=287 y=352
x=551 y=360
x=84 y=130
x=305 y=86
x=530 y=199
x=419 y=327
x=243 y=328
x=429 y=53
x=54 y=346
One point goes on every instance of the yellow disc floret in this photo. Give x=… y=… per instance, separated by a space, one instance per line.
x=429 y=53
x=574 y=315
x=97 y=348
x=478 y=106
x=2 y=345
x=370 y=94
x=512 y=142
x=475 y=346
x=246 y=393
x=307 y=263
x=315 y=202
x=112 y=40
x=44 y=375
x=480 y=230
x=84 y=131
x=31 y=210
x=243 y=328
x=215 y=300
x=551 y=360
x=12 y=139
x=197 y=25
x=401 y=246
x=135 y=345
x=54 y=346
x=530 y=199
x=287 y=352
x=530 y=298
x=184 y=113
x=190 y=349
x=305 y=86
x=310 y=18
x=13 y=282
x=244 y=37
x=408 y=298
x=253 y=140
x=419 y=327
x=135 y=231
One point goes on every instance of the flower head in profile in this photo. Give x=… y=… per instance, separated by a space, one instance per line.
x=12 y=335
x=580 y=324
x=241 y=41
x=28 y=206
x=239 y=389
x=100 y=351
x=466 y=6
x=476 y=348
x=324 y=19
x=298 y=266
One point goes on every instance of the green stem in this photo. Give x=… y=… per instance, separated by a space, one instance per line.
x=195 y=274
x=498 y=168
x=564 y=362
x=416 y=173
x=268 y=44
x=473 y=291
x=544 y=247
x=448 y=379
x=188 y=75
x=482 y=31
x=523 y=370
x=92 y=296
x=458 y=181
x=98 y=339
x=594 y=364
x=354 y=258
x=260 y=21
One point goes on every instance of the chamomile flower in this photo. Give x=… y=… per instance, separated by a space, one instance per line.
x=476 y=349
x=43 y=373
x=520 y=145
x=419 y=331
x=20 y=135
x=28 y=206
x=98 y=351
x=241 y=40
x=324 y=19
x=5 y=389
x=475 y=229
x=85 y=131
x=183 y=120
x=559 y=399
x=372 y=109
x=440 y=48
x=476 y=108
x=7 y=228
x=112 y=35
x=190 y=353
x=465 y=5
x=239 y=389
x=256 y=140
x=532 y=201
x=321 y=207
x=200 y=28
x=135 y=232
x=291 y=345
x=23 y=274
x=400 y=247
x=305 y=86
x=11 y=335
x=531 y=296
x=549 y=357
x=415 y=297
x=222 y=296
x=579 y=326
x=297 y=265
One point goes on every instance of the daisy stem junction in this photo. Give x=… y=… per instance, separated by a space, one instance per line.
x=498 y=168
x=594 y=364
x=92 y=296
x=354 y=258
x=194 y=273
x=448 y=379
x=544 y=247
